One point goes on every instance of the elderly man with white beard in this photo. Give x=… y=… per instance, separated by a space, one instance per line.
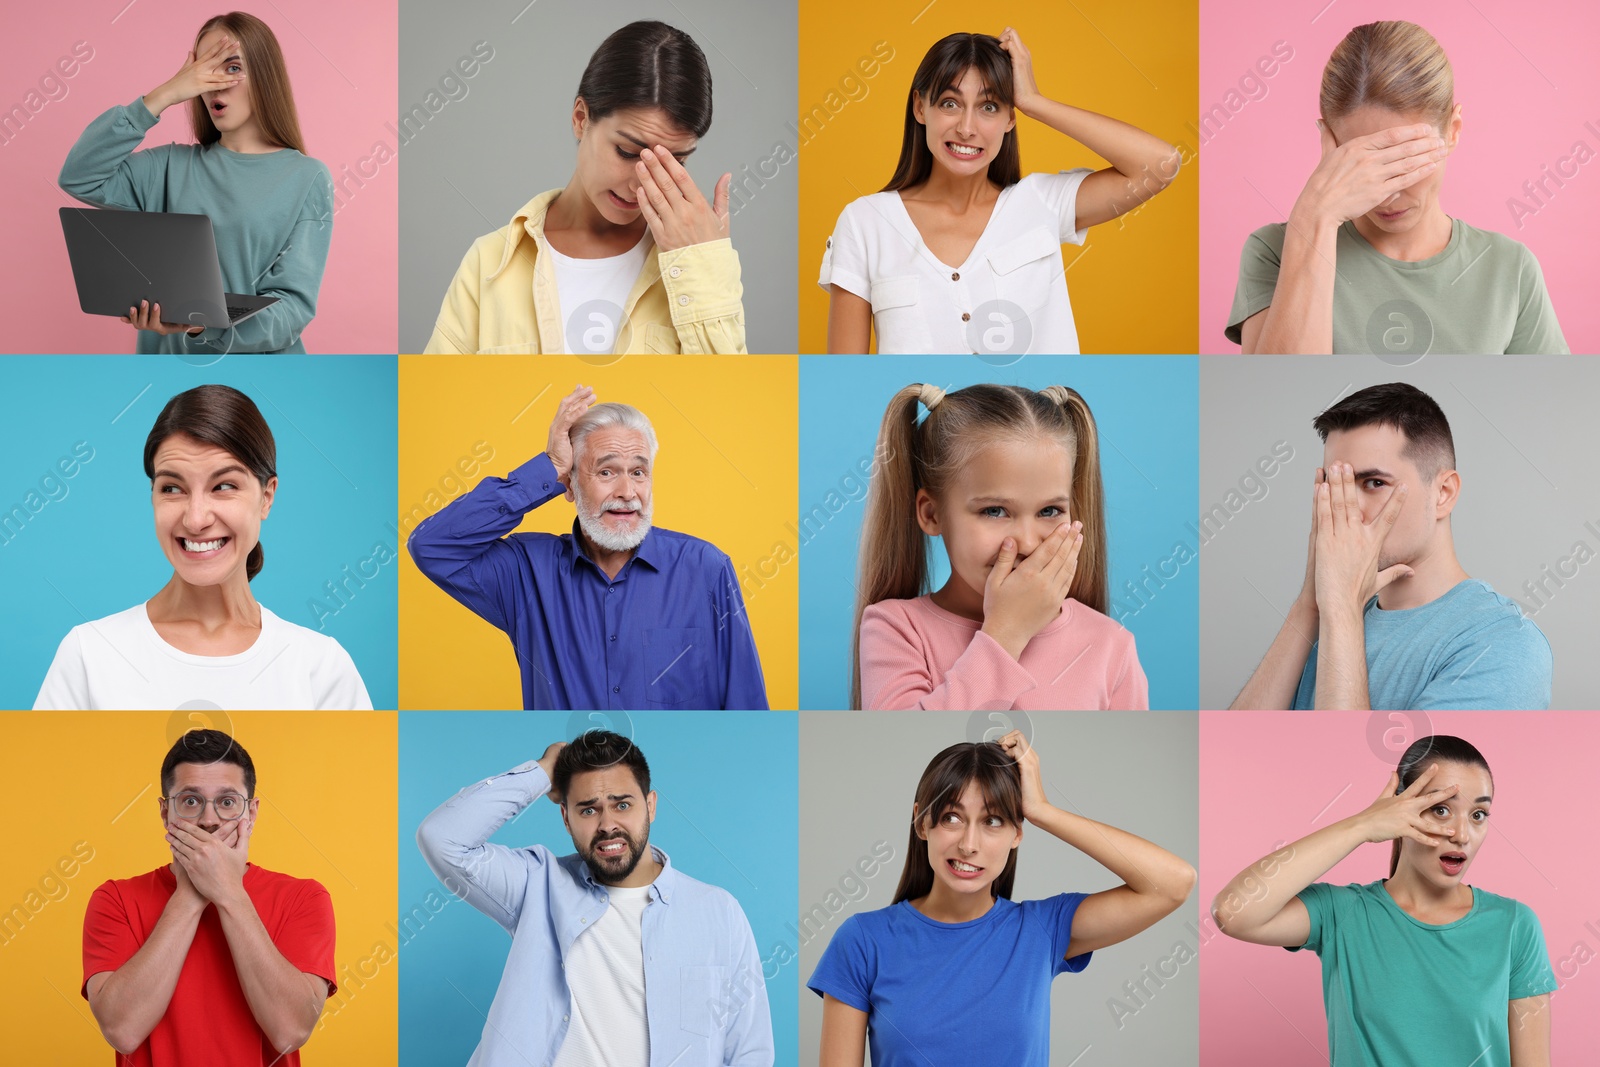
x=616 y=615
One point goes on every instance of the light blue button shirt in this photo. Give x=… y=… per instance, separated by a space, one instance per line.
x=705 y=997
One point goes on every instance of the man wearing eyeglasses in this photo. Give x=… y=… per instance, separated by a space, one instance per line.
x=208 y=959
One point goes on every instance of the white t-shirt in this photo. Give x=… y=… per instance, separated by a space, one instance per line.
x=593 y=293
x=605 y=975
x=121 y=663
x=1009 y=297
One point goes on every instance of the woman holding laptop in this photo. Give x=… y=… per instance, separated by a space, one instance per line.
x=270 y=205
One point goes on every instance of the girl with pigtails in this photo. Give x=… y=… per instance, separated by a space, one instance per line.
x=1009 y=480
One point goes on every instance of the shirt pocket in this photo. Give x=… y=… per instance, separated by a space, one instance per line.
x=707 y=1003
x=660 y=339
x=680 y=669
x=1026 y=269
x=898 y=314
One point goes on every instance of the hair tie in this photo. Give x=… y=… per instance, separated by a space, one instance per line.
x=930 y=395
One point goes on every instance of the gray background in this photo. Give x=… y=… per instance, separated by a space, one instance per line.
x=1135 y=771
x=509 y=138
x=1529 y=483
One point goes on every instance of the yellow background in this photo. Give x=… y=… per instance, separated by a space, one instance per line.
x=1136 y=288
x=328 y=787
x=727 y=472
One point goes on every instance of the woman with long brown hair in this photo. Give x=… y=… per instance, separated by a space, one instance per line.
x=203 y=641
x=960 y=252
x=1368 y=261
x=270 y=204
x=887 y=976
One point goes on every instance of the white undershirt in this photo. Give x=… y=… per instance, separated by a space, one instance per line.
x=122 y=662
x=605 y=975
x=593 y=293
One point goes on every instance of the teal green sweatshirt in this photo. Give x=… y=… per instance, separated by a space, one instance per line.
x=272 y=214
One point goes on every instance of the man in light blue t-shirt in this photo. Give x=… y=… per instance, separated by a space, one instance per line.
x=1387 y=618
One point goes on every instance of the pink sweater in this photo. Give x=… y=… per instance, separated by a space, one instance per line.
x=916 y=655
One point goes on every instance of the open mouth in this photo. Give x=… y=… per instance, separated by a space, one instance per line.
x=1452 y=862
x=963 y=151
x=218 y=107
x=202 y=549
x=962 y=869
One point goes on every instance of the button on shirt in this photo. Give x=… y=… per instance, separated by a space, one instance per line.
x=705 y=997
x=669 y=631
x=1010 y=296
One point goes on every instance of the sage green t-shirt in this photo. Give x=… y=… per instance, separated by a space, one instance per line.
x=1402 y=991
x=1483 y=294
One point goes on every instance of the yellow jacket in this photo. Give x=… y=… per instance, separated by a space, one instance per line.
x=686 y=300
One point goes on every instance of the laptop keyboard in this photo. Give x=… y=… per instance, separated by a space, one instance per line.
x=234 y=313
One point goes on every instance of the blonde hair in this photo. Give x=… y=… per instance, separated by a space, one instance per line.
x=913 y=456
x=1397 y=66
x=271 y=97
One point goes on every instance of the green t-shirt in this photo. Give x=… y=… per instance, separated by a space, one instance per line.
x=1401 y=991
x=1483 y=294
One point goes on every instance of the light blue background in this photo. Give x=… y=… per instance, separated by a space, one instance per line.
x=1147 y=410
x=93 y=552
x=727 y=812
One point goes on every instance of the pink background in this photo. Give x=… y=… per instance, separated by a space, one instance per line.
x=1515 y=121
x=1266 y=778
x=342 y=63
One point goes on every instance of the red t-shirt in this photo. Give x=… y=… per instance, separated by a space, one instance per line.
x=208 y=1020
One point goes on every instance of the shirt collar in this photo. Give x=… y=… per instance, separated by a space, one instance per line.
x=661 y=889
x=648 y=552
x=528 y=222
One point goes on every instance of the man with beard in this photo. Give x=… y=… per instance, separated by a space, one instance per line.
x=616 y=615
x=1387 y=618
x=617 y=957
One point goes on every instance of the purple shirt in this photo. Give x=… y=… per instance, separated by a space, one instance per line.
x=669 y=631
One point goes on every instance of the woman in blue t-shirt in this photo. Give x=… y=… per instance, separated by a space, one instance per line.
x=890 y=976
x=1418 y=967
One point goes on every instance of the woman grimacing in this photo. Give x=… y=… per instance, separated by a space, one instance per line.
x=204 y=641
x=953 y=963
x=961 y=252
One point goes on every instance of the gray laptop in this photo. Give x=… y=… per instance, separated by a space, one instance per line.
x=122 y=257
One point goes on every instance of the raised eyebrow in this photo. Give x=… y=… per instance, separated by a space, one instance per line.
x=612 y=457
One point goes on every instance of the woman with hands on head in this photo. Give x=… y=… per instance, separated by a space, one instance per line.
x=953 y=963
x=961 y=252
x=1368 y=261
x=1009 y=480
x=270 y=205
x=1419 y=967
x=629 y=256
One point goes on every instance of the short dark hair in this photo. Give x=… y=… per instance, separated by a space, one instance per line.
x=208 y=746
x=595 y=750
x=1409 y=410
x=650 y=64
